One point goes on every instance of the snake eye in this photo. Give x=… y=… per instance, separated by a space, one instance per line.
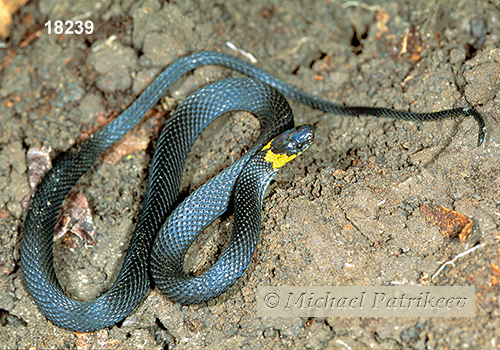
x=303 y=137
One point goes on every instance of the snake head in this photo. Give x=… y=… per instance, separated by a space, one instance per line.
x=293 y=141
x=289 y=145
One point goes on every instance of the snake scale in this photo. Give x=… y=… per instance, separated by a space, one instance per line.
x=162 y=237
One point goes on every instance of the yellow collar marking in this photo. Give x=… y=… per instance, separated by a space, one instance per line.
x=278 y=160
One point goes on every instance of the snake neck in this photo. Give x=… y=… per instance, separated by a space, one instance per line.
x=253 y=181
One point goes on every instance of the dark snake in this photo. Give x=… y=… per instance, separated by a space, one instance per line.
x=261 y=96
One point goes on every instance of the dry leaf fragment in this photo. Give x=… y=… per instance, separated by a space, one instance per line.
x=7 y=8
x=39 y=163
x=76 y=218
x=495 y=274
x=450 y=222
x=75 y=215
x=131 y=143
x=495 y=269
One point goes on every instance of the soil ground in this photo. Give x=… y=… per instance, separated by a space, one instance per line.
x=344 y=213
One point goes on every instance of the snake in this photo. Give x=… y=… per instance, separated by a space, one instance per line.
x=164 y=232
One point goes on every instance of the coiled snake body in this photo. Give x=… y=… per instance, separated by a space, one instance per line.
x=261 y=96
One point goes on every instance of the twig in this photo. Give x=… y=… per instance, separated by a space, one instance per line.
x=458 y=256
x=242 y=52
x=30 y=38
x=362 y=5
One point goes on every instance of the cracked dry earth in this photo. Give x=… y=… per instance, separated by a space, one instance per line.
x=347 y=212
